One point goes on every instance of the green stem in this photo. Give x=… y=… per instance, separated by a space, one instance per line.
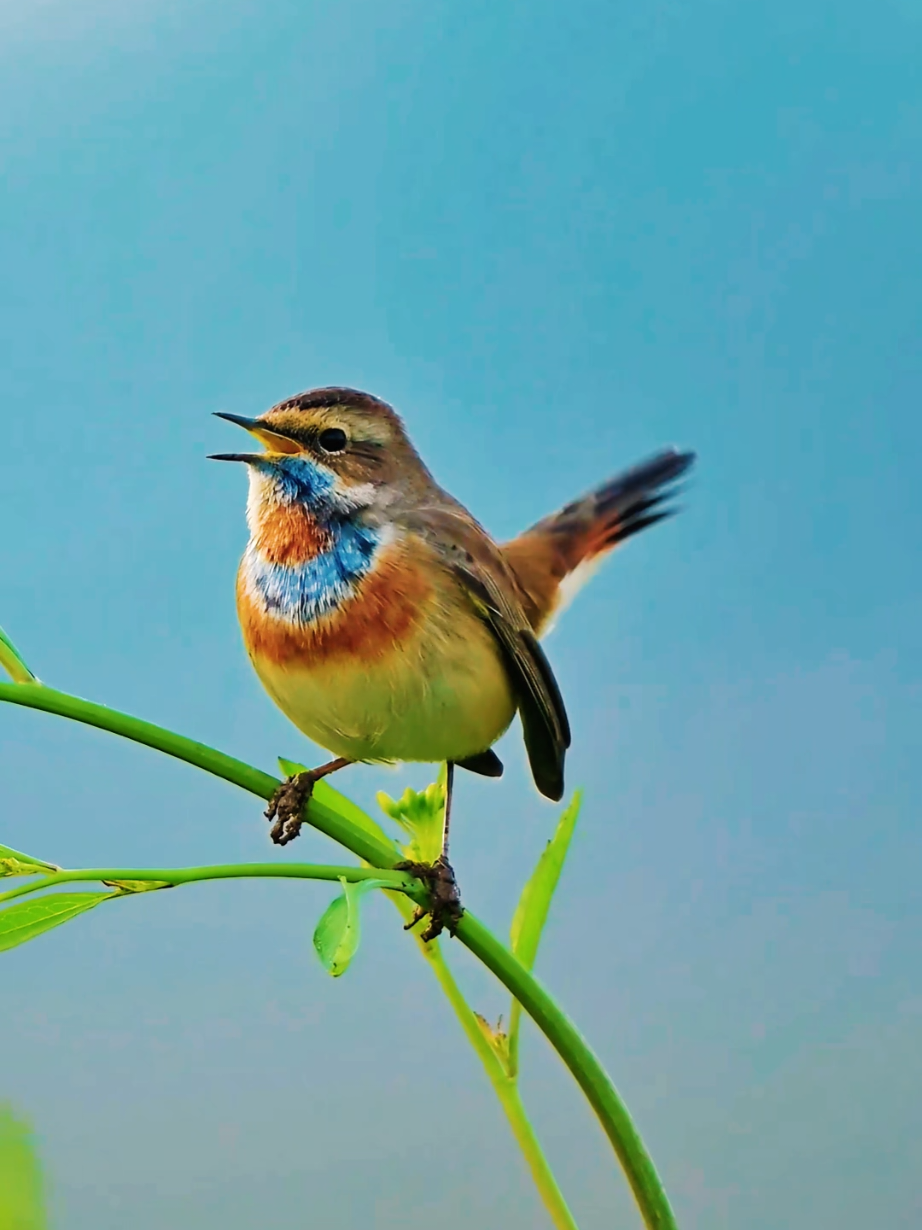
x=557 y=1028
x=504 y=1084
x=585 y=1067
x=515 y=1030
x=173 y=876
x=505 y=1088
x=323 y=808
x=506 y=1091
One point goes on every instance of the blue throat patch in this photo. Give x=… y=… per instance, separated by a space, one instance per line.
x=305 y=592
x=301 y=593
x=299 y=481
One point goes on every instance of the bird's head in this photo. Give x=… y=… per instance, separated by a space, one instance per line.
x=332 y=451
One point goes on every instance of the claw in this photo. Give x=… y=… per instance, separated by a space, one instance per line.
x=445 y=909
x=286 y=807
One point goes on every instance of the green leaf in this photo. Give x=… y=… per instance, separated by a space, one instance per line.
x=15 y=863
x=291 y=768
x=499 y=1041
x=337 y=935
x=136 y=886
x=420 y=815
x=15 y=867
x=22 y=1201
x=535 y=901
x=19 y=923
x=531 y=914
x=13 y=664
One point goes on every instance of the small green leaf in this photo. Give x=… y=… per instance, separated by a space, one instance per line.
x=337 y=935
x=13 y=867
x=534 y=903
x=15 y=863
x=12 y=663
x=419 y=814
x=28 y=919
x=531 y=914
x=498 y=1040
x=22 y=1201
x=137 y=886
x=291 y=768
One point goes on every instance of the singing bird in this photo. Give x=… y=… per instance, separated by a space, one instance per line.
x=383 y=619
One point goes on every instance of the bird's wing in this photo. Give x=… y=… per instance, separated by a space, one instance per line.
x=478 y=566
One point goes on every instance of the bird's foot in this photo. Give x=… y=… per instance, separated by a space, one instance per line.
x=445 y=908
x=286 y=807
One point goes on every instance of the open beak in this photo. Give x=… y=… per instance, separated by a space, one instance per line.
x=272 y=441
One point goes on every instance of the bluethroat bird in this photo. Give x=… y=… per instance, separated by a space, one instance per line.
x=386 y=623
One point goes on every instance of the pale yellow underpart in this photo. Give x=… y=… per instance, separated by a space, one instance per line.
x=443 y=694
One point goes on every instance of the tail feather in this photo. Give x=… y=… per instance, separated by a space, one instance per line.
x=552 y=558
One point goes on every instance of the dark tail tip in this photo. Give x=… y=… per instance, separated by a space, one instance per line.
x=637 y=498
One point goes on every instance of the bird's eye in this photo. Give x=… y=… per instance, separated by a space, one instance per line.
x=332 y=440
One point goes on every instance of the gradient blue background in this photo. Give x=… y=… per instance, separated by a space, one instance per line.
x=557 y=237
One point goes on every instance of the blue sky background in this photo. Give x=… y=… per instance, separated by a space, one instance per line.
x=556 y=237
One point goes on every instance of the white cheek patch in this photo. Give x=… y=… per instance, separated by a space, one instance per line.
x=351 y=499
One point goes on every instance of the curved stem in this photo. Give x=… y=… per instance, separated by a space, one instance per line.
x=327 y=804
x=171 y=877
x=506 y=1090
x=504 y=1087
x=554 y=1024
x=585 y=1067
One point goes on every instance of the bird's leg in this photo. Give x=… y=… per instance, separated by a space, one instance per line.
x=446 y=815
x=286 y=807
x=445 y=907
